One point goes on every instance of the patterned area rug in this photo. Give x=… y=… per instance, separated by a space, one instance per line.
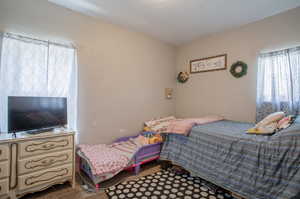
x=167 y=184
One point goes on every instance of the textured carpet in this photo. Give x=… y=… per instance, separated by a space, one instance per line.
x=167 y=184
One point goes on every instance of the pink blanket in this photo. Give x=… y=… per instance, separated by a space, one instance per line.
x=109 y=159
x=184 y=126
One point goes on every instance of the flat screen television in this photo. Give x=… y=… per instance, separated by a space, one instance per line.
x=34 y=114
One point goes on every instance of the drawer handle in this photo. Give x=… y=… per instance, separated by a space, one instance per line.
x=0 y=152
x=45 y=146
x=46 y=161
x=30 y=181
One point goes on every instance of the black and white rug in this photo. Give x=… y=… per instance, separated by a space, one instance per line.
x=167 y=184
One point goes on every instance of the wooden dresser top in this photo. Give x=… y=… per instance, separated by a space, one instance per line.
x=9 y=137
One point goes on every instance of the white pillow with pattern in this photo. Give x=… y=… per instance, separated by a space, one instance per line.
x=273 y=117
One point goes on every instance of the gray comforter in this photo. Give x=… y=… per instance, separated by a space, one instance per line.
x=254 y=166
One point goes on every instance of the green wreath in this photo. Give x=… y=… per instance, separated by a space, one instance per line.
x=239 y=69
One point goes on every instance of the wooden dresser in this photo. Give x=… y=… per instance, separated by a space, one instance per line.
x=31 y=163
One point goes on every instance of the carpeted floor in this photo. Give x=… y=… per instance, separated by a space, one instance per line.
x=66 y=192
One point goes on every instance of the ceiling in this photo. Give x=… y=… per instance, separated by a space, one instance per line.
x=179 y=21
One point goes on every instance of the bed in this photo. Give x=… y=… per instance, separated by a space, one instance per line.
x=253 y=166
x=144 y=155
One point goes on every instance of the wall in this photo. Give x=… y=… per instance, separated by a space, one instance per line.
x=219 y=92
x=122 y=74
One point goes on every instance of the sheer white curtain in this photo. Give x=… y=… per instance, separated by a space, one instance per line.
x=278 y=85
x=31 y=67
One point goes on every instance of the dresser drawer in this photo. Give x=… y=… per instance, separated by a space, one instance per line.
x=41 y=146
x=44 y=161
x=4 y=187
x=4 y=152
x=44 y=177
x=4 y=169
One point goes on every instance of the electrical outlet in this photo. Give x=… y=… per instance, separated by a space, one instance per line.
x=169 y=93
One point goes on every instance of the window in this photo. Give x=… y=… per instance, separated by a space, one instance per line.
x=278 y=85
x=32 y=67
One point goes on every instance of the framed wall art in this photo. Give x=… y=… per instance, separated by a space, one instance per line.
x=214 y=63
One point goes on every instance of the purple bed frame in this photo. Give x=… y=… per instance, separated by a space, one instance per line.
x=145 y=154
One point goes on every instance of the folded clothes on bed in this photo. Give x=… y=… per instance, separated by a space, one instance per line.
x=184 y=126
x=178 y=126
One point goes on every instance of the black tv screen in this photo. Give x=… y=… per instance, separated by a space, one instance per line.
x=33 y=113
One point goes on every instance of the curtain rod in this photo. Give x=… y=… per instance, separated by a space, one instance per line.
x=21 y=37
x=280 y=50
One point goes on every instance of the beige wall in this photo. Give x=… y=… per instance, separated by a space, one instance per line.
x=219 y=92
x=122 y=74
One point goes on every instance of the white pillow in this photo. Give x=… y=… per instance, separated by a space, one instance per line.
x=273 y=117
x=268 y=129
x=159 y=125
x=264 y=130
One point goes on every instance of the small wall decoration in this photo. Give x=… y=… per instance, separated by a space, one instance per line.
x=214 y=63
x=168 y=93
x=183 y=77
x=239 y=69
